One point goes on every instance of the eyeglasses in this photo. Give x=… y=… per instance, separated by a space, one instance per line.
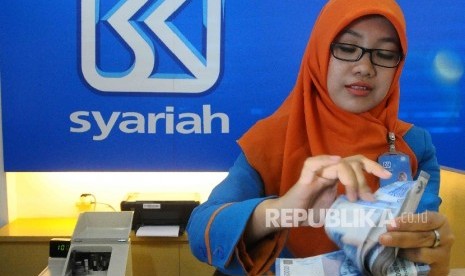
x=380 y=57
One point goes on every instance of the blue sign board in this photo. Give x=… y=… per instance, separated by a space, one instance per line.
x=170 y=85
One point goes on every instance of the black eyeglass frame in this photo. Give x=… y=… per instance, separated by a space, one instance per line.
x=366 y=50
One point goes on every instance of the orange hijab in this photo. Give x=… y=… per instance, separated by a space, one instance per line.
x=308 y=123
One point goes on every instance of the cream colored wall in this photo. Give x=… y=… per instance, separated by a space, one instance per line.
x=3 y=190
x=452 y=192
x=56 y=194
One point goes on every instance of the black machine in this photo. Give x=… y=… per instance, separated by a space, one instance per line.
x=160 y=212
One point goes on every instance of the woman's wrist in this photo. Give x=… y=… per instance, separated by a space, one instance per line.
x=263 y=220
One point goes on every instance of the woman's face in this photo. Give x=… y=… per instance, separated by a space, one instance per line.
x=359 y=86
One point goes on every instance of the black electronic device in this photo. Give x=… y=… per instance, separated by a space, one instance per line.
x=166 y=211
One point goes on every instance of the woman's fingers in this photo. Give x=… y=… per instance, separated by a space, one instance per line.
x=350 y=172
x=420 y=255
x=323 y=170
x=348 y=176
x=315 y=164
x=437 y=258
x=412 y=230
x=424 y=238
x=416 y=239
x=361 y=163
x=363 y=190
x=425 y=221
x=309 y=186
x=417 y=230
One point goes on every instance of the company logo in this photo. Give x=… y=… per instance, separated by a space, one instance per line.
x=387 y=164
x=167 y=122
x=135 y=22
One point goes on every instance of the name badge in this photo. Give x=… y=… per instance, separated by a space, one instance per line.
x=398 y=164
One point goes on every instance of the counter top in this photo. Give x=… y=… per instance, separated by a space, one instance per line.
x=37 y=229
x=43 y=229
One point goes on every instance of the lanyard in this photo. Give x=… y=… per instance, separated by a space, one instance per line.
x=396 y=162
x=392 y=142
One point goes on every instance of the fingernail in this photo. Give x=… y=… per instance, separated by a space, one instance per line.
x=352 y=197
x=392 y=225
x=371 y=197
x=385 y=238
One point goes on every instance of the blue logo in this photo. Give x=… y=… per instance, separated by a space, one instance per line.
x=125 y=20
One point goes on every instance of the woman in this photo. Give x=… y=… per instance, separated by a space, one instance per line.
x=324 y=141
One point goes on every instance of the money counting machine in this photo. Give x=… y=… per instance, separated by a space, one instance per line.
x=154 y=212
x=100 y=245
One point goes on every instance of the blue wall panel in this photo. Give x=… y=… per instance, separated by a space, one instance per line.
x=101 y=85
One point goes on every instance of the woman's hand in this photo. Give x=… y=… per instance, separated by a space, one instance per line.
x=415 y=235
x=316 y=189
x=317 y=186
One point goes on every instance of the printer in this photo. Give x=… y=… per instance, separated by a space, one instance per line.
x=156 y=211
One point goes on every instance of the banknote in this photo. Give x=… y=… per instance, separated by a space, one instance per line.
x=356 y=227
x=360 y=242
x=337 y=263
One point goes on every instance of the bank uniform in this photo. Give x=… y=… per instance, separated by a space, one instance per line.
x=215 y=228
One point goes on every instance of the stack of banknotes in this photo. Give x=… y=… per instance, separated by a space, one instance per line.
x=355 y=227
